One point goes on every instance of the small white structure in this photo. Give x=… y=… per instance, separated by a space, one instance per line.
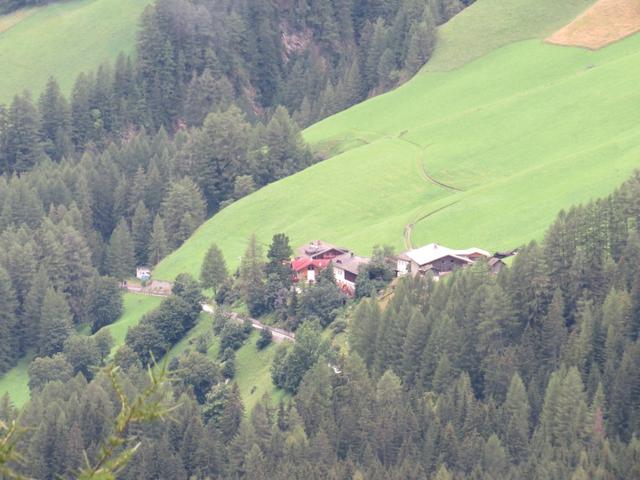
x=143 y=273
x=436 y=259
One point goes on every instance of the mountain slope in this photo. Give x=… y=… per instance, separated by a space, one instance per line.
x=63 y=39
x=524 y=132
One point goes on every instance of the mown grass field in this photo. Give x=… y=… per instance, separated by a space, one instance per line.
x=63 y=39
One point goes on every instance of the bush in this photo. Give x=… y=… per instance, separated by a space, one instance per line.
x=232 y=336
x=266 y=337
x=229 y=368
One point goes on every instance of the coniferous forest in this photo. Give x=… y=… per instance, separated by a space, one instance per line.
x=528 y=374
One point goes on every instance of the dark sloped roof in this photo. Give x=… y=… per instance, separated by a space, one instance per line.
x=349 y=262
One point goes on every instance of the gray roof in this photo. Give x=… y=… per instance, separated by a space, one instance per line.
x=349 y=262
x=317 y=247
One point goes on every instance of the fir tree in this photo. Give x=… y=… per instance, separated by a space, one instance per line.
x=56 y=323
x=121 y=261
x=213 y=273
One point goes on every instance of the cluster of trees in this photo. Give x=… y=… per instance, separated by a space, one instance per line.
x=64 y=223
x=314 y=58
x=197 y=57
x=159 y=330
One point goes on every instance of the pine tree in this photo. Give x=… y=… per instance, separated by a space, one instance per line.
x=515 y=420
x=214 y=269
x=55 y=324
x=121 y=261
x=141 y=229
x=158 y=246
x=8 y=305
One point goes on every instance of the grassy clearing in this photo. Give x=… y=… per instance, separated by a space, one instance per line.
x=525 y=131
x=63 y=39
x=15 y=382
x=253 y=366
x=489 y=24
x=134 y=308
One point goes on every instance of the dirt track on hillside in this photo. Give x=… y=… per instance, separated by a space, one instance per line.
x=605 y=22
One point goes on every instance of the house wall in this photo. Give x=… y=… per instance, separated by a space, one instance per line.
x=403 y=267
x=447 y=264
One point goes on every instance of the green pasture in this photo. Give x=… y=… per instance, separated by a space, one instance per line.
x=525 y=131
x=16 y=382
x=253 y=366
x=63 y=39
x=134 y=308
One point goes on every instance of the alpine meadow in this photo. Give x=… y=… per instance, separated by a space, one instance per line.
x=301 y=239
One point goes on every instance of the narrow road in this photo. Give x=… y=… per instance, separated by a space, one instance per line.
x=278 y=333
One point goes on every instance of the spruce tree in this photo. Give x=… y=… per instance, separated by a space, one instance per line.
x=121 y=261
x=158 y=246
x=56 y=323
x=55 y=125
x=515 y=420
x=141 y=229
x=23 y=149
x=8 y=305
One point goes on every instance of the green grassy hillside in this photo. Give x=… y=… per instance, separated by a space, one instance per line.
x=490 y=24
x=523 y=132
x=63 y=39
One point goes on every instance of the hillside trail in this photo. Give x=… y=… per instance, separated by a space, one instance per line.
x=279 y=334
x=422 y=171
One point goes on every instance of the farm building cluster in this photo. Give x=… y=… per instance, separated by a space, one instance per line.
x=432 y=259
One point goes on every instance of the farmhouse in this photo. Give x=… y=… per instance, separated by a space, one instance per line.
x=306 y=269
x=346 y=268
x=319 y=250
x=436 y=259
x=317 y=255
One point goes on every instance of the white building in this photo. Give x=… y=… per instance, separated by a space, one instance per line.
x=143 y=273
x=436 y=259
